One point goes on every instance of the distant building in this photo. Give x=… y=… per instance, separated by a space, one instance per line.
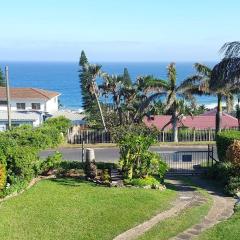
x=28 y=106
x=205 y=121
x=19 y=118
x=30 y=99
x=75 y=117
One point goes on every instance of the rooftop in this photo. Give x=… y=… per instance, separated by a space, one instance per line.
x=28 y=93
x=205 y=121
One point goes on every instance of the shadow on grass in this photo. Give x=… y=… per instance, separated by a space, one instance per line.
x=193 y=183
x=72 y=182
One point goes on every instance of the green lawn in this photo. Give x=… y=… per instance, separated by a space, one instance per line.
x=70 y=209
x=175 y=225
x=229 y=229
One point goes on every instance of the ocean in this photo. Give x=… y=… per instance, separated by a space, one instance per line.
x=63 y=77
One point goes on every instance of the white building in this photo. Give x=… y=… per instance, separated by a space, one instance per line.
x=28 y=106
x=30 y=99
x=19 y=118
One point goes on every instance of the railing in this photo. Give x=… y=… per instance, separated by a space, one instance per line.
x=100 y=136
x=189 y=162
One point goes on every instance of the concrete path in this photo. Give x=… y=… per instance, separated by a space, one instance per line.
x=221 y=210
x=188 y=196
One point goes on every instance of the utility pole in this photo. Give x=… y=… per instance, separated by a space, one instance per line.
x=8 y=99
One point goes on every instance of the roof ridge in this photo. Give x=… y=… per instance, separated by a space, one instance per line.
x=38 y=90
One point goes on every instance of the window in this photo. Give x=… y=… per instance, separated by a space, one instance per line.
x=3 y=103
x=36 y=106
x=21 y=106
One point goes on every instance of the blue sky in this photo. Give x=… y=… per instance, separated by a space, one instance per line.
x=117 y=30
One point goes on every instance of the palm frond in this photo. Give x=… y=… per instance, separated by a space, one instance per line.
x=226 y=75
x=231 y=49
x=202 y=69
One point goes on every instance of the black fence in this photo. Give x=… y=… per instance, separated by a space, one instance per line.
x=189 y=162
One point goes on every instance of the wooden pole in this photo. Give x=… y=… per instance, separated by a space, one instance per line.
x=8 y=99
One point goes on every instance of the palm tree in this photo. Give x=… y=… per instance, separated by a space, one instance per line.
x=206 y=86
x=175 y=95
x=114 y=85
x=92 y=72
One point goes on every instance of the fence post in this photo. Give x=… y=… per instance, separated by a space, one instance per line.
x=163 y=136
x=209 y=135
x=208 y=155
x=194 y=135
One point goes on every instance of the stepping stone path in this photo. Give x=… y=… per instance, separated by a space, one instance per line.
x=188 y=197
x=116 y=177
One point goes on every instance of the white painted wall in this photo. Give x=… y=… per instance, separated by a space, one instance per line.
x=49 y=106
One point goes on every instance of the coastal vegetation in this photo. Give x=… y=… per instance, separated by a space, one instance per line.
x=121 y=101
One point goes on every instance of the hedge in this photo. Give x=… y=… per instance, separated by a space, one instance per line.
x=224 y=140
x=19 y=150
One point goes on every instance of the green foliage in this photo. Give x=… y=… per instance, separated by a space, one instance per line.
x=233 y=185
x=19 y=151
x=51 y=162
x=224 y=140
x=21 y=163
x=3 y=176
x=135 y=158
x=2 y=79
x=61 y=123
x=105 y=176
x=142 y=182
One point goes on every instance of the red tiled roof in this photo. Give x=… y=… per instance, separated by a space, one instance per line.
x=197 y=122
x=28 y=93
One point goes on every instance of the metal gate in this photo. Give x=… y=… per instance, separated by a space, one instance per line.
x=189 y=162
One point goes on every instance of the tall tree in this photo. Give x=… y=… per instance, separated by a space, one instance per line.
x=175 y=94
x=126 y=77
x=2 y=79
x=89 y=102
x=203 y=78
x=92 y=72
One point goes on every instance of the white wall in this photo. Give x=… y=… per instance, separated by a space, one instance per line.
x=45 y=106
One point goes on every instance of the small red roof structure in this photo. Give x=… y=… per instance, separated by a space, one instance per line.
x=204 y=121
x=28 y=93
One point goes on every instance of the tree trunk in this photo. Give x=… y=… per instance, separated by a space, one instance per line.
x=219 y=114
x=175 y=126
x=100 y=110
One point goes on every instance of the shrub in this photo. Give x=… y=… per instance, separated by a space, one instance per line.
x=224 y=140
x=61 y=123
x=21 y=163
x=233 y=153
x=3 y=176
x=51 y=162
x=135 y=158
x=105 y=175
x=142 y=182
x=233 y=185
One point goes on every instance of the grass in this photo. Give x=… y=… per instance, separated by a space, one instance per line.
x=175 y=225
x=71 y=209
x=229 y=229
